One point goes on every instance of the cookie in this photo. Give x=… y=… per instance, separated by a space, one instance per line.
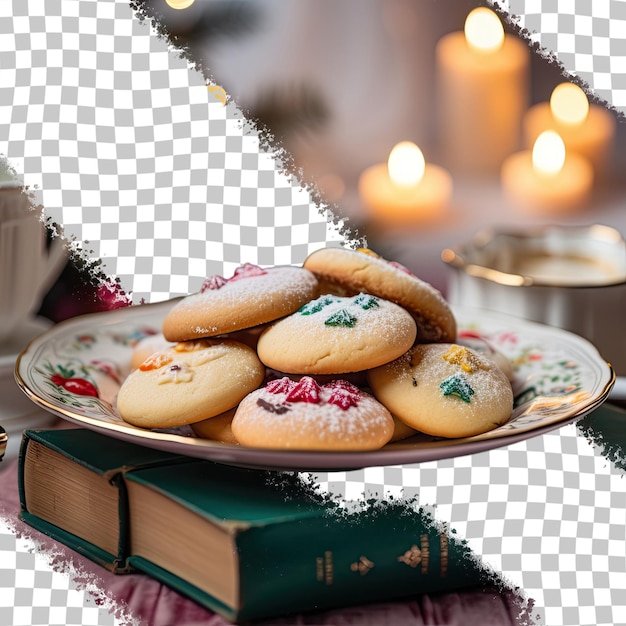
x=251 y=297
x=445 y=390
x=217 y=428
x=189 y=382
x=336 y=335
x=146 y=347
x=401 y=430
x=362 y=270
x=303 y=415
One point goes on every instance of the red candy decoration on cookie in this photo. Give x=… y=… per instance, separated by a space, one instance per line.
x=306 y=390
x=281 y=385
x=247 y=270
x=344 y=394
x=213 y=282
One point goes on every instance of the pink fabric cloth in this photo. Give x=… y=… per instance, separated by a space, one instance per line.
x=153 y=604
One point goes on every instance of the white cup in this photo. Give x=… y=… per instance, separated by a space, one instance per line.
x=28 y=267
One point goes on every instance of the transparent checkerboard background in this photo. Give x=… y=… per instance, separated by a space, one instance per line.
x=149 y=171
x=586 y=37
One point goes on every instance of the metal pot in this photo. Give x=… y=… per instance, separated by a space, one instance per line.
x=573 y=277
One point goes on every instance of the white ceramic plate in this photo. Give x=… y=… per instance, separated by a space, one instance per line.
x=559 y=377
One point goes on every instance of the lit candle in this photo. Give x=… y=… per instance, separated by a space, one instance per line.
x=548 y=178
x=406 y=188
x=586 y=129
x=482 y=79
x=179 y=4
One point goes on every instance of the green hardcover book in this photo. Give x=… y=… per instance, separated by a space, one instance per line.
x=245 y=543
x=251 y=544
x=71 y=488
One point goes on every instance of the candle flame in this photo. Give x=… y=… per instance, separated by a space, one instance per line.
x=548 y=153
x=406 y=164
x=483 y=30
x=569 y=103
x=179 y=4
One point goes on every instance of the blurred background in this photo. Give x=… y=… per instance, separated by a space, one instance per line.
x=340 y=83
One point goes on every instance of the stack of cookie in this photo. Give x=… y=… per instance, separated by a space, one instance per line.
x=348 y=352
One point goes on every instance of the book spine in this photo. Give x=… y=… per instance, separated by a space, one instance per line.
x=116 y=563
x=122 y=566
x=328 y=562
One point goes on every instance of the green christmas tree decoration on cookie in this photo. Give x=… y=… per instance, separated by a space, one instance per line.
x=365 y=301
x=341 y=318
x=315 y=306
x=457 y=385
